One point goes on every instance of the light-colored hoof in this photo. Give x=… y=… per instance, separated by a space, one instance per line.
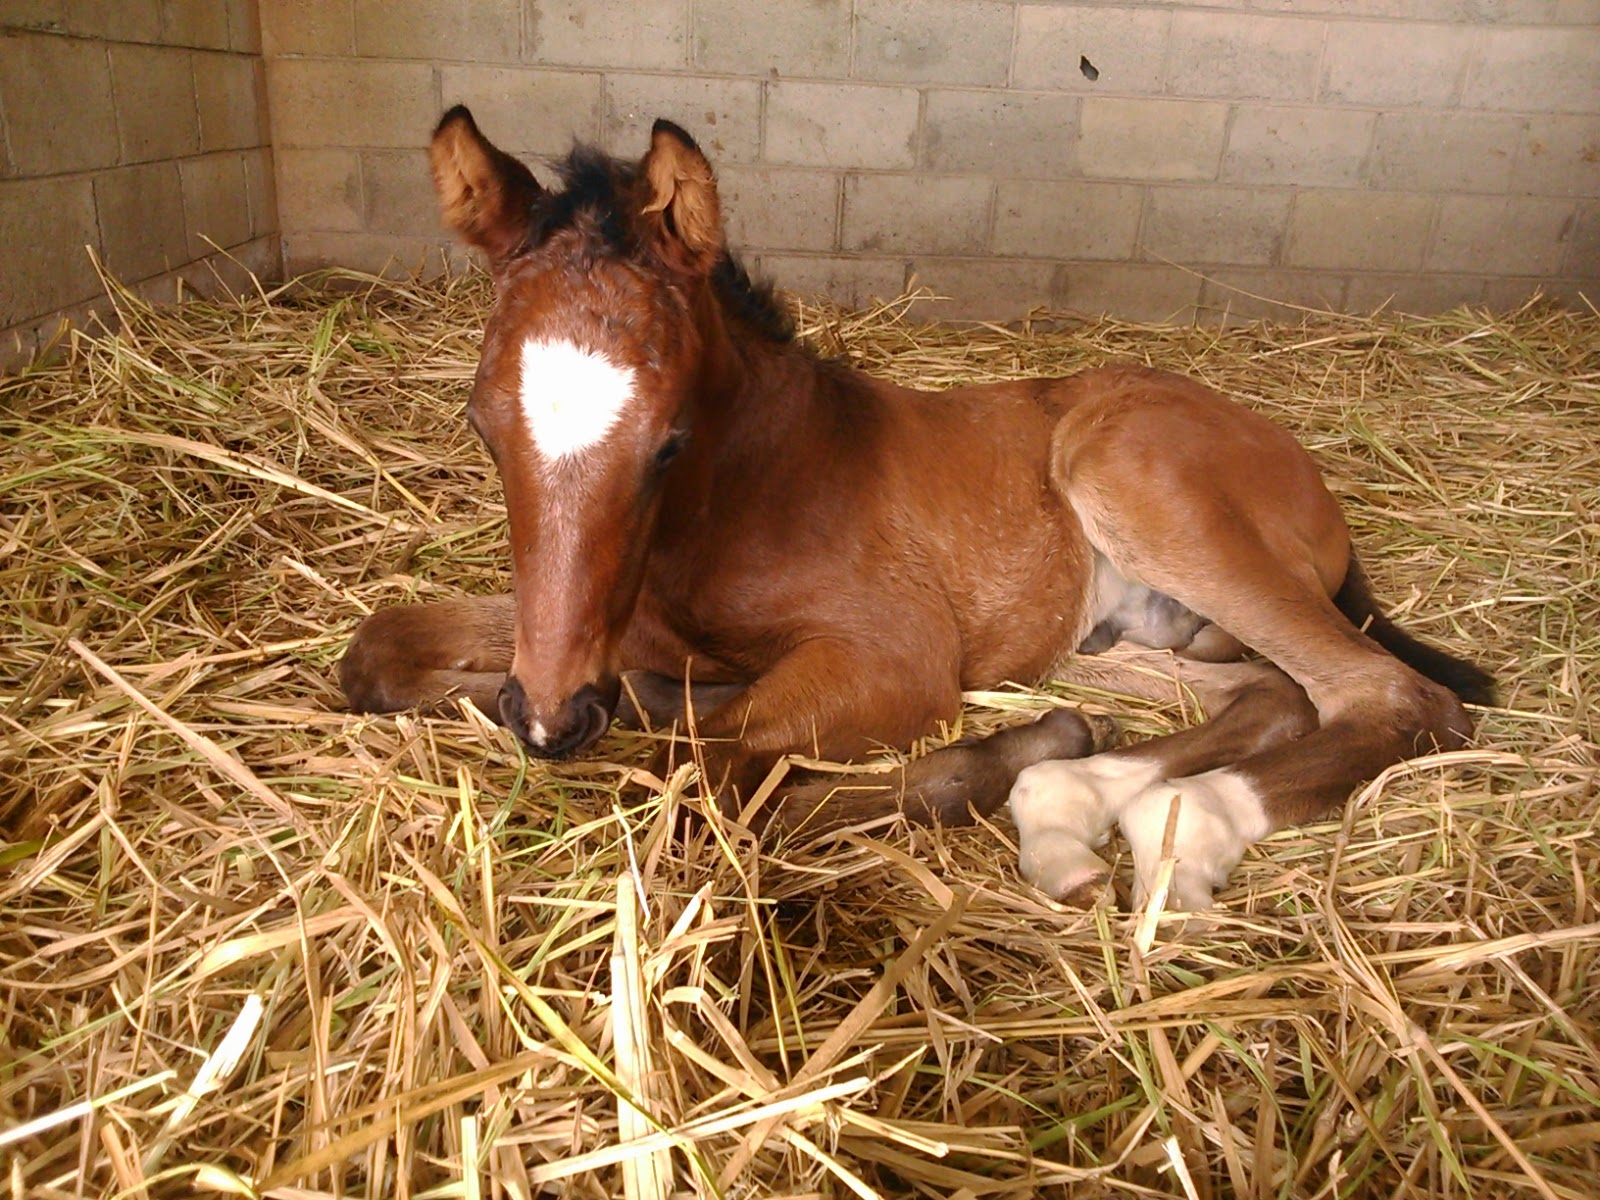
x=1064 y=868
x=1218 y=817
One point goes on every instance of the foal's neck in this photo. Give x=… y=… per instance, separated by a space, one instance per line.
x=758 y=372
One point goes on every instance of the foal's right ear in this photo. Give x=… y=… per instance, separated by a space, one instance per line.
x=486 y=196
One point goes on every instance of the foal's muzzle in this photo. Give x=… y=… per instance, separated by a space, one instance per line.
x=571 y=729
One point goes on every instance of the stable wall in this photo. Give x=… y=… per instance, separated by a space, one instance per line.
x=136 y=128
x=1341 y=154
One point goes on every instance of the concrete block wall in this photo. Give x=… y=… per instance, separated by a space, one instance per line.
x=1143 y=157
x=137 y=128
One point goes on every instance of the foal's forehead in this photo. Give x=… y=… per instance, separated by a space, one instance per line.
x=608 y=303
x=574 y=350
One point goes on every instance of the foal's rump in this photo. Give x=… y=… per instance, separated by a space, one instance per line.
x=1191 y=498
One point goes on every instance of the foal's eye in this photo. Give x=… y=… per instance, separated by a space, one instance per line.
x=670 y=449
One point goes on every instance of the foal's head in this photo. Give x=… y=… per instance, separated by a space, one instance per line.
x=591 y=357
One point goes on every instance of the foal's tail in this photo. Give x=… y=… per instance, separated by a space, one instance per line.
x=1355 y=600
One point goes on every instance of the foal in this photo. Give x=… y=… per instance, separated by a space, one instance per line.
x=695 y=497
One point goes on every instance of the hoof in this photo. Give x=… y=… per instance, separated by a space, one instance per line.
x=1064 y=868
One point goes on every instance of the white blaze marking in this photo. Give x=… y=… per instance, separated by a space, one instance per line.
x=571 y=397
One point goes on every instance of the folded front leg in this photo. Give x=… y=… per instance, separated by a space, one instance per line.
x=829 y=698
x=422 y=655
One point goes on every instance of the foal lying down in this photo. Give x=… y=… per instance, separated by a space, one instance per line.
x=826 y=560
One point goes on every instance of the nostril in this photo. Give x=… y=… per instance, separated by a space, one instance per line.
x=596 y=719
x=581 y=722
x=514 y=708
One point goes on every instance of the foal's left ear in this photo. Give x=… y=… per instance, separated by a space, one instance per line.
x=681 y=201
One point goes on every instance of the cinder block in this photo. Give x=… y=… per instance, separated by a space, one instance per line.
x=386 y=255
x=47 y=224
x=723 y=115
x=153 y=88
x=1445 y=152
x=1131 y=291
x=1583 y=247
x=399 y=193
x=307 y=27
x=19 y=349
x=1232 y=226
x=1126 y=49
x=319 y=190
x=235 y=273
x=1160 y=140
x=1353 y=230
x=1499 y=235
x=261 y=188
x=841 y=125
x=1298 y=146
x=1243 y=56
x=1008 y=134
x=216 y=202
x=1503 y=295
x=44 y=339
x=987 y=289
x=1382 y=63
x=777 y=37
x=261 y=258
x=842 y=278
x=916 y=214
x=351 y=103
x=623 y=34
x=526 y=110
x=1234 y=296
x=1419 y=294
x=932 y=41
x=46 y=15
x=199 y=23
x=56 y=94
x=141 y=220
x=1560 y=156
x=485 y=31
x=774 y=208
x=230 y=92
x=244 y=26
x=1066 y=219
x=113 y=20
x=1536 y=70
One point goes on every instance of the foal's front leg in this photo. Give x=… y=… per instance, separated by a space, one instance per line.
x=835 y=699
x=828 y=698
x=422 y=655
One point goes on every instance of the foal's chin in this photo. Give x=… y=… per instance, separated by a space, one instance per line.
x=568 y=731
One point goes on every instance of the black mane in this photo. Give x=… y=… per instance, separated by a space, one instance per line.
x=593 y=184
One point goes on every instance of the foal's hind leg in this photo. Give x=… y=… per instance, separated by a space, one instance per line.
x=1221 y=510
x=1065 y=811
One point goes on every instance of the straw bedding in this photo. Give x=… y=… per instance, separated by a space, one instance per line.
x=249 y=942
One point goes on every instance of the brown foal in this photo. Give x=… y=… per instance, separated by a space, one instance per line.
x=830 y=559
